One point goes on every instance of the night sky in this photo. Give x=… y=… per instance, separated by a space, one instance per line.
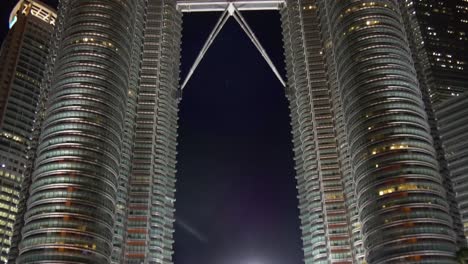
x=236 y=196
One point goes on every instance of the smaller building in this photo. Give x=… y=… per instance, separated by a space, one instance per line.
x=23 y=56
x=452 y=119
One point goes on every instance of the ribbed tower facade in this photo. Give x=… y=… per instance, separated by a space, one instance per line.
x=101 y=188
x=396 y=208
x=401 y=200
x=73 y=190
x=101 y=185
x=437 y=35
x=152 y=179
x=23 y=57
x=324 y=214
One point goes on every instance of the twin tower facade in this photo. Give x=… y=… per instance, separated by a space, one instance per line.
x=100 y=186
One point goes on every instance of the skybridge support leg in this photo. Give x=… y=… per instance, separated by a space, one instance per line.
x=240 y=19
x=231 y=10
x=219 y=25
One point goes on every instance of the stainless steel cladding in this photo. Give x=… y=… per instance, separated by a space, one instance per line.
x=401 y=200
x=70 y=214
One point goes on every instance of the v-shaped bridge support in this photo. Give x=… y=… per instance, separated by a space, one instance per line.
x=231 y=10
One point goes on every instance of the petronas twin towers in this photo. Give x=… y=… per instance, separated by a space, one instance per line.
x=101 y=188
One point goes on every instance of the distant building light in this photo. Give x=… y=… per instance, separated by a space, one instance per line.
x=13 y=21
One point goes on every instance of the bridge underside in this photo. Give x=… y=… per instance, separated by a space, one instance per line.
x=215 y=5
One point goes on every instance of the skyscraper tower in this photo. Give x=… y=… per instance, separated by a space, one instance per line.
x=376 y=100
x=443 y=29
x=152 y=181
x=103 y=179
x=72 y=198
x=23 y=56
x=325 y=228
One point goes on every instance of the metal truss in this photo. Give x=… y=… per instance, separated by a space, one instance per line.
x=232 y=10
x=217 y=5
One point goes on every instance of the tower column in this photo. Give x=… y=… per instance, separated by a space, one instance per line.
x=152 y=181
x=323 y=212
x=401 y=200
x=71 y=207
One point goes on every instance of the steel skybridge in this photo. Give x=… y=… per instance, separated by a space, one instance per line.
x=216 y=5
x=230 y=9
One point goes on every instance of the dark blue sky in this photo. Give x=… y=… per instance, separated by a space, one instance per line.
x=236 y=197
x=236 y=181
